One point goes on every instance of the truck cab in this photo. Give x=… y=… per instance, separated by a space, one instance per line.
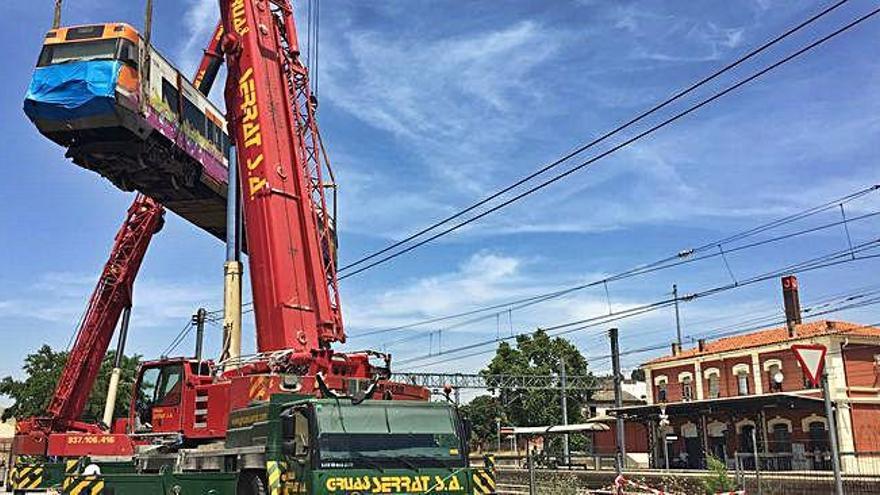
x=320 y=446
x=337 y=446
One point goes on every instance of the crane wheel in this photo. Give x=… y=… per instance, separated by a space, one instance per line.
x=251 y=483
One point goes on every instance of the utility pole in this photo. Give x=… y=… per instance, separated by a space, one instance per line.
x=832 y=436
x=620 y=456
x=677 y=315
x=498 y=433
x=199 y=321
x=562 y=385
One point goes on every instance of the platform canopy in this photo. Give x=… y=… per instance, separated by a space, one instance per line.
x=557 y=429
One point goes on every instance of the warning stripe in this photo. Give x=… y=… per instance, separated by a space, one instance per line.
x=71 y=469
x=274 y=472
x=480 y=488
x=26 y=477
x=89 y=485
x=488 y=478
x=257 y=390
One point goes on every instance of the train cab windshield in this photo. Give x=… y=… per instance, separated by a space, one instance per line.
x=105 y=49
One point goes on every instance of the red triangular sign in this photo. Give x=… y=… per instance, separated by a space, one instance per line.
x=812 y=359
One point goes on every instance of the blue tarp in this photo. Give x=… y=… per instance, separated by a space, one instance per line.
x=72 y=90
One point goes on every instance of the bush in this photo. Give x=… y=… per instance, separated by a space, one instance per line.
x=719 y=480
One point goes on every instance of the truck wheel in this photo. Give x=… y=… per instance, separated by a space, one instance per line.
x=251 y=483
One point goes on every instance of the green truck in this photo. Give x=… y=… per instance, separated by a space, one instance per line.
x=303 y=445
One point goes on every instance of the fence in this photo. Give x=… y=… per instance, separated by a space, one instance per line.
x=788 y=474
x=777 y=474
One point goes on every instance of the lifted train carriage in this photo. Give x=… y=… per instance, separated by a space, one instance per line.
x=300 y=444
x=125 y=112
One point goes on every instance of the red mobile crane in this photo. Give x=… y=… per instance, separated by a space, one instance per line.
x=291 y=239
x=291 y=247
x=110 y=299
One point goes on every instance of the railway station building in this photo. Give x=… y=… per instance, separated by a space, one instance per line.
x=735 y=396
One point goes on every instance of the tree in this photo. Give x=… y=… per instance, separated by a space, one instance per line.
x=483 y=412
x=42 y=370
x=637 y=375
x=538 y=354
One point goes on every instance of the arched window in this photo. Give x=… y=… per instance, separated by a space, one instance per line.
x=742 y=382
x=741 y=372
x=713 y=377
x=662 y=388
x=687 y=385
x=774 y=375
x=781 y=438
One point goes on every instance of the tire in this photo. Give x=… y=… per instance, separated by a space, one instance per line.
x=251 y=483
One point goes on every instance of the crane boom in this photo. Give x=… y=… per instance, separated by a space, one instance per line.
x=290 y=230
x=110 y=297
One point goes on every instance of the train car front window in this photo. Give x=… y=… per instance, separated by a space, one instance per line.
x=72 y=52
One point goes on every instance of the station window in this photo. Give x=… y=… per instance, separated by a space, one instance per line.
x=687 y=388
x=774 y=374
x=714 y=386
x=742 y=382
x=661 y=391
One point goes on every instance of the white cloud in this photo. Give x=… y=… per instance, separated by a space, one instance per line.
x=455 y=101
x=61 y=297
x=200 y=17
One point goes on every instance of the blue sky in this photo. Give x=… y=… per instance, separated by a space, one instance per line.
x=428 y=106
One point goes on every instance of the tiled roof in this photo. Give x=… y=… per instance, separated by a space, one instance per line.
x=772 y=336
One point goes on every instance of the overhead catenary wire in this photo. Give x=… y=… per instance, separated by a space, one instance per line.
x=178 y=339
x=658 y=268
x=824 y=261
x=592 y=144
x=716 y=333
x=682 y=257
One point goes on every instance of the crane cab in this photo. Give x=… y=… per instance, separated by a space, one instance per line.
x=176 y=397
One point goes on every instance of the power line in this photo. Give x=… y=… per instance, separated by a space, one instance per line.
x=178 y=339
x=825 y=261
x=683 y=262
x=682 y=257
x=717 y=333
x=591 y=144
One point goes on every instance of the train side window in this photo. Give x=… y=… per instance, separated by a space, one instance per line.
x=170 y=96
x=213 y=134
x=225 y=145
x=193 y=116
x=128 y=53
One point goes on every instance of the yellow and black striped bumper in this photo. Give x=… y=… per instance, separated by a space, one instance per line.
x=484 y=478
x=84 y=485
x=26 y=477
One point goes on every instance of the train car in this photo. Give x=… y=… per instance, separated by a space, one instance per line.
x=123 y=111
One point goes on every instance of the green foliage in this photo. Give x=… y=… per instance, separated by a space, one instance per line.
x=536 y=354
x=482 y=411
x=42 y=370
x=637 y=375
x=718 y=480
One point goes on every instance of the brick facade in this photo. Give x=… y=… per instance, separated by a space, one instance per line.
x=744 y=366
